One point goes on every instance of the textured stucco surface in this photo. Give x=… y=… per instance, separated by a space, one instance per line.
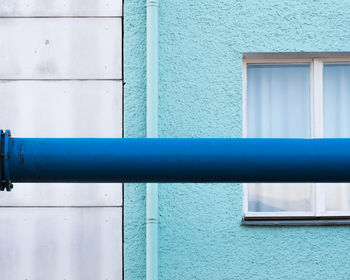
x=201 y=45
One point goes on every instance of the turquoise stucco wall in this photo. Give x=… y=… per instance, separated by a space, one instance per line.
x=201 y=44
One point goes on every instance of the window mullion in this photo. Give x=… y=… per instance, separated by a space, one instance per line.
x=317 y=124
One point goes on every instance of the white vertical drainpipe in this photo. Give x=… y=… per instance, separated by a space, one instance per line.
x=152 y=132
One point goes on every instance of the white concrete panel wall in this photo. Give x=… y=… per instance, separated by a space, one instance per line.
x=61 y=108
x=61 y=76
x=63 y=195
x=60 y=48
x=60 y=243
x=59 y=8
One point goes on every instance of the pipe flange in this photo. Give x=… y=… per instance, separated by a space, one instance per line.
x=6 y=183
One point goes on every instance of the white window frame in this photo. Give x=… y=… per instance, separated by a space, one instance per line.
x=318 y=202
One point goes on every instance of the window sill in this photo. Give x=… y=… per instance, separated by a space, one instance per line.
x=323 y=221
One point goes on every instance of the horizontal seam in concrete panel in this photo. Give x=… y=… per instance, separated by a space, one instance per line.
x=48 y=79
x=53 y=206
x=60 y=17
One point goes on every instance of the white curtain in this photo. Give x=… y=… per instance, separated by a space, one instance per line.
x=278 y=106
x=336 y=104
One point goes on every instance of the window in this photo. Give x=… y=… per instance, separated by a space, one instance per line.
x=296 y=97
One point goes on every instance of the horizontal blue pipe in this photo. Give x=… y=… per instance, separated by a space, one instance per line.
x=177 y=160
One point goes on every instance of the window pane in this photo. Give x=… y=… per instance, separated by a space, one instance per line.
x=336 y=104
x=279 y=197
x=278 y=100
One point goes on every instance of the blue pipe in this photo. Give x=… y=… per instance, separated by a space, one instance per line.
x=175 y=160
